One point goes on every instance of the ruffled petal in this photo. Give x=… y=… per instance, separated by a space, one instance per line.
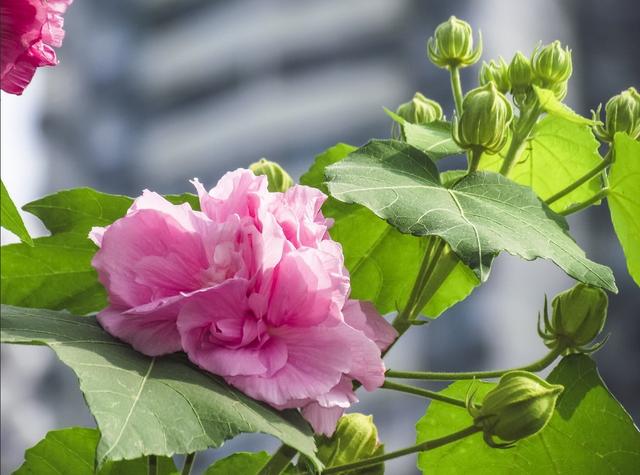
x=363 y=316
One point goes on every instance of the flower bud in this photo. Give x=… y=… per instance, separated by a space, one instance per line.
x=518 y=407
x=355 y=438
x=420 y=110
x=278 y=179
x=484 y=122
x=578 y=318
x=496 y=72
x=622 y=114
x=520 y=74
x=551 y=64
x=452 y=45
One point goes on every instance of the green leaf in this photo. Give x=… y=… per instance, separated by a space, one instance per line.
x=240 y=463
x=78 y=210
x=624 y=201
x=55 y=273
x=553 y=106
x=590 y=432
x=73 y=451
x=383 y=262
x=434 y=139
x=557 y=154
x=144 y=405
x=10 y=218
x=355 y=438
x=481 y=215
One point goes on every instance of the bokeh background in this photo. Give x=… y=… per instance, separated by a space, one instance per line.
x=150 y=93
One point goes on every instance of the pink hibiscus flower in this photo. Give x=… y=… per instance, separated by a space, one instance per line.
x=30 y=31
x=252 y=288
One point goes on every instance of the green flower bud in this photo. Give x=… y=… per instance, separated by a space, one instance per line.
x=520 y=74
x=551 y=64
x=279 y=180
x=622 y=114
x=496 y=72
x=420 y=110
x=452 y=45
x=578 y=318
x=484 y=122
x=355 y=438
x=518 y=407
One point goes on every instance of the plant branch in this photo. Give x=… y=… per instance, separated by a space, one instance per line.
x=584 y=178
x=278 y=461
x=188 y=463
x=475 y=154
x=152 y=464
x=428 y=445
x=455 y=376
x=456 y=88
x=521 y=131
x=585 y=204
x=404 y=388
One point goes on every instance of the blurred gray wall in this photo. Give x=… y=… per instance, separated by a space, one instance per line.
x=151 y=93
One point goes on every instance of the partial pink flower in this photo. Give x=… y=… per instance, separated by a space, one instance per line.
x=252 y=289
x=30 y=29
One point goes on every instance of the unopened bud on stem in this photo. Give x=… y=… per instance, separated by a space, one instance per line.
x=579 y=315
x=484 y=123
x=278 y=178
x=452 y=45
x=520 y=406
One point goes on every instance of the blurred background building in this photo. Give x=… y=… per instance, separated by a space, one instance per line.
x=151 y=93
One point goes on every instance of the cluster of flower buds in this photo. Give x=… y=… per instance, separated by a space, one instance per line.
x=622 y=114
x=278 y=179
x=550 y=67
x=496 y=72
x=420 y=110
x=578 y=318
x=452 y=45
x=485 y=119
x=520 y=406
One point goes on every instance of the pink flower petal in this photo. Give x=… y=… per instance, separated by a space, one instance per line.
x=363 y=316
x=30 y=30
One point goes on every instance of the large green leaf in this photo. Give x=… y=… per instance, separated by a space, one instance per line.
x=10 y=218
x=624 y=199
x=80 y=209
x=73 y=451
x=240 y=463
x=552 y=105
x=56 y=272
x=479 y=216
x=590 y=432
x=144 y=405
x=382 y=261
x=434 y=139
x=557 y=154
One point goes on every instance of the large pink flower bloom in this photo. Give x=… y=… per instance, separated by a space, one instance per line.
x=30 y=29
x=252 y=289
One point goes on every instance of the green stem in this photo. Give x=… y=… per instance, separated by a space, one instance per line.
x=476 y=153
x=402 y=322
x=152 y=464
x=428 y=445
x=278 y=461
x=585 y=204
x=584 y=178
x=188 y=463
x=404 y=388
x=521 y=132
x=456 y=88
x=455 y=376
